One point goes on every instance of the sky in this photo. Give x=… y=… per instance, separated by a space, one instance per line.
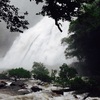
x=7 y=37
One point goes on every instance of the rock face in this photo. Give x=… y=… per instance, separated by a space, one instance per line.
x=41 y=43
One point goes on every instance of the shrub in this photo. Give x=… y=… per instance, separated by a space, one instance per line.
x=19 y=73
x=78 y=84
x=41 y=72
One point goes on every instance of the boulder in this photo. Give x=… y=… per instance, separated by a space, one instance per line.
x=35 y=88
x=13 y=84
x=3 y=84
x=61 y=91
x=24 y=91
x=18 y=83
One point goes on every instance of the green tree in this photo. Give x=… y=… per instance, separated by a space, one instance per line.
x=78 y=84
x=84 y=42
x=84 y=38
x=62 y=9
x=10 y=14
x=65 y=74
x=40 y=72
x=19 y=73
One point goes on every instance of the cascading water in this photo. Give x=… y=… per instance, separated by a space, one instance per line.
x=41 y=43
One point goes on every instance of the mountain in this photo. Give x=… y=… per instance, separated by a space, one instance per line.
x=41 y=43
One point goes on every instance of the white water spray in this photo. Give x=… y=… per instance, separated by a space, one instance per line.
x=41 y=43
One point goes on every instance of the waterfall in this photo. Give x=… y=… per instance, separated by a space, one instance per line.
x=41 y=43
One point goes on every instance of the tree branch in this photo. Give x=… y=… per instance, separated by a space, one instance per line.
x=58 y=25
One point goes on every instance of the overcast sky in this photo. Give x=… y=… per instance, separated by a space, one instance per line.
x=6 y=37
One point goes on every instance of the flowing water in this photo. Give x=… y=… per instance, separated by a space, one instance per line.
x=41 y=43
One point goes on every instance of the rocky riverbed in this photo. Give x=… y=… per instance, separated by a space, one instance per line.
x=37 y=90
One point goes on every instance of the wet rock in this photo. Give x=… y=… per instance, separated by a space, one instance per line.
x=3 y=84
x=35 y=88
x=75 y=96
x=24 y=91
x=13 y=84
x=18 y=83
x=61 y=91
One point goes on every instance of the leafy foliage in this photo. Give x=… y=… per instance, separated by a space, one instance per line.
x=9 y=14
x=84 y=42
x=19 y=73
x=40 y=72
x=62 y=9
x=86 y=85
x=65 y=74
x=78 y=84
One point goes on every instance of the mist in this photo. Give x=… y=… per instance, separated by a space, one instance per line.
x=41 y=43
x=7 y=37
